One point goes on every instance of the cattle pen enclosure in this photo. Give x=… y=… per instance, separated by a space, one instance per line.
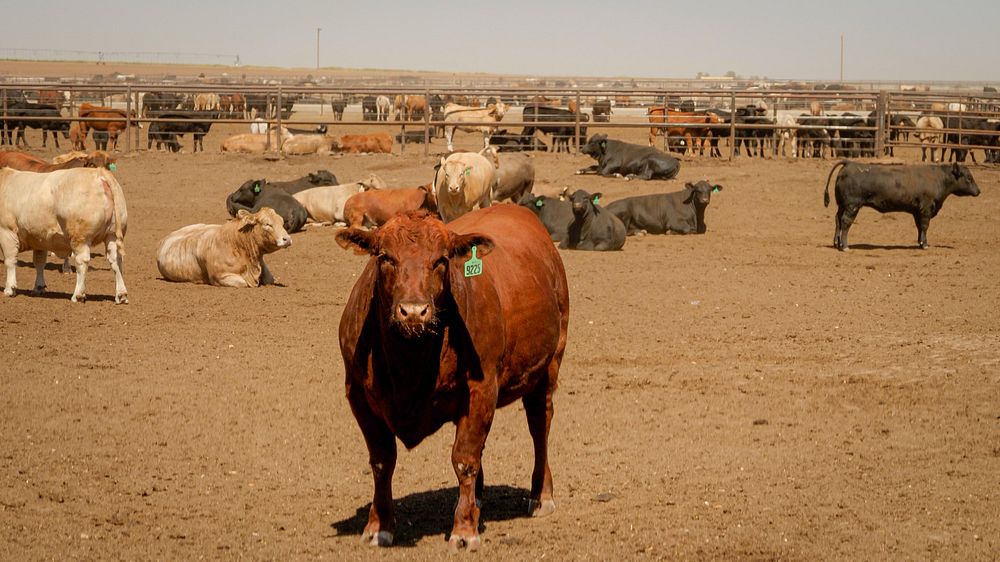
x=749 y=393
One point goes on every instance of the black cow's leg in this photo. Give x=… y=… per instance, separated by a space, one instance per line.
x=923 y=220
x=845 y=218
x=382 y=457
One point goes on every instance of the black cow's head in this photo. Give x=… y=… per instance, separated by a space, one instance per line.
x=700 y=193
x=584 y=203
x=596 y=147
x=245 y=196
x=322 y=177
x=532 y=202
x=963 y=182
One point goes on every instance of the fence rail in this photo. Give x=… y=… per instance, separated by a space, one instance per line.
x=870 y=122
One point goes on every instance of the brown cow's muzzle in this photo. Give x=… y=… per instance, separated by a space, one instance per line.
x=413 y=318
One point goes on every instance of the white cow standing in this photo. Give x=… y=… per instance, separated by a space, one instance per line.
x=65 y=212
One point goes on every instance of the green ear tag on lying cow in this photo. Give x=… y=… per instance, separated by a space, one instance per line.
x=474 y=266
x=112 y=167
x=256 y=188
x=597 y=199
x=715 y=190
x=539 y=203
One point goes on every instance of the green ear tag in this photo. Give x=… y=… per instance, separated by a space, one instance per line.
x=474 y=266
x=596 y=200
x=715 y=190
x=112 y=166
x=539 y=203
x=256 y=188
x=468 y=171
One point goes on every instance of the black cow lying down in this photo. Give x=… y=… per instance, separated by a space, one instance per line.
x=254 y=195
x=593 y=227
x=313 y=179
x=617 y=158
x=916 y=189
x=682 y=212
x=556 y=213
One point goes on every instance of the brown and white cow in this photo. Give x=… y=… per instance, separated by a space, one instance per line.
x=464 y=182
x=225 y=255
x=430 y=336
x=374 y=143
x=64 y=212
x=376 y=207
x=325 y=204
x=455 y=115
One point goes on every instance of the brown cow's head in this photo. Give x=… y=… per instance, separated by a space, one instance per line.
x=418 y=262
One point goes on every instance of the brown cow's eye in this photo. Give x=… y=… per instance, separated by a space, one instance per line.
x=386 y=260
x=441 y=263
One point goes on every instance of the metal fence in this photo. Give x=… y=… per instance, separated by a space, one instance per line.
x=752 y=122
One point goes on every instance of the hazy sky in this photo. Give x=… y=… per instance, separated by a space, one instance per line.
x=890 y=40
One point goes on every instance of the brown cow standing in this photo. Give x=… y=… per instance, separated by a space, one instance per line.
x=692 y=135
x=115 y=121
x=375 y=207
x=426 y=343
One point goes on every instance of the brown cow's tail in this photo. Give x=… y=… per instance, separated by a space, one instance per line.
x=826 y=192
x=115 y=191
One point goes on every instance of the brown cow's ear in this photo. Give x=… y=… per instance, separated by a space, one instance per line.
x=362 y=241
x=461 y=244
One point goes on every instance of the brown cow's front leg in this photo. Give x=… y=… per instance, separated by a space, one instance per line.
x=467 y=458
x=382 y=457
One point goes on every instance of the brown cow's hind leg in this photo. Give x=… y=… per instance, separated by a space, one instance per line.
x=538 y=409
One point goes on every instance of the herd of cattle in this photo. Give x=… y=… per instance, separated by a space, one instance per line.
x=464 y=290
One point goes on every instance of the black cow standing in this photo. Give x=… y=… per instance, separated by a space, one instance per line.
x=617 y=158
x=338 y=106
x=593 y=227
x=55 y=125
x=917 y=189
x=682 y=212
x=555 y=213
x=369 y=109
x=256 y=194
x=561 y=134
x=168 y=131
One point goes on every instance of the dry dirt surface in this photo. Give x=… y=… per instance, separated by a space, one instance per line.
x=750 y=393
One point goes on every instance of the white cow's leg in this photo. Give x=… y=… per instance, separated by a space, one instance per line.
x=81 y=255
x=449 y=134
x=8 y=250
x=39 y=257
x=232 y=280
x=115 y=259
x=265 y=274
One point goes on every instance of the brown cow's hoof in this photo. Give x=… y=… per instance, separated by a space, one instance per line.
x=541 y=508
x=456 y=543
x=381 y=538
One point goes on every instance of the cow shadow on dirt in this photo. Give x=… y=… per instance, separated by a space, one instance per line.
x=911 y=247
x=52 y=266
x=425 y=514
x=63 y=296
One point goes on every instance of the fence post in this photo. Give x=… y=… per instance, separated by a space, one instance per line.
x=138 y=112
x=128 y=118
x=666 y=118
x=3 y=91
x=732 y=125
x=880 y=116
x=427 y=121
x=576 y=136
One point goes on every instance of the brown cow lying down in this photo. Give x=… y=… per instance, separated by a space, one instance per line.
x=227 y=255
x=252 y=143
x=27 y=163
x=64 y=212
x=375 y=207
x=430 y=335
x=375 y=143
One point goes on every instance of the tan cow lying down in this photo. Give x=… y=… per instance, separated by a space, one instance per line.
x=226 y=255
x=64 y=212
x=308 y=144
x=251 y=143
x=464 y=182
x=375 y=143
x=325 y=204
x=376 y=207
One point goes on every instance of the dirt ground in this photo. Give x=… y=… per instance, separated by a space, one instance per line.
x=749 y=393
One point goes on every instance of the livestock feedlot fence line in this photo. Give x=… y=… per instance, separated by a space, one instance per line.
x=632 y=104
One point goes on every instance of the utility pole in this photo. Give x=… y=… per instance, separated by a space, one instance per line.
x=841 y=57
x=318 y=29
